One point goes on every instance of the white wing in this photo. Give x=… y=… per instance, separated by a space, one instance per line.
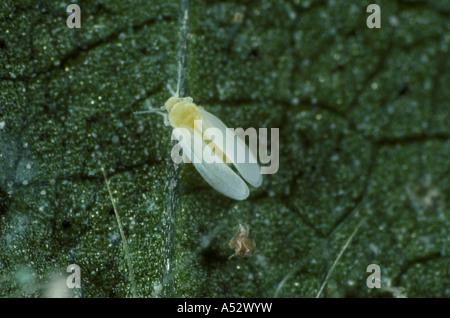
x=218 y=175
x=250 y=170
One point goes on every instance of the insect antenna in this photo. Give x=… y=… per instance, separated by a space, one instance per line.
x=182 y=49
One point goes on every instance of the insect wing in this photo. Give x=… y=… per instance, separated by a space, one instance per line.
x=250 y=170
x=218 y=175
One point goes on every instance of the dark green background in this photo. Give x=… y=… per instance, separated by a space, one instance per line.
x=364 y=137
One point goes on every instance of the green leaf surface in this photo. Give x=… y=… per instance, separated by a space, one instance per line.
x=363 y=116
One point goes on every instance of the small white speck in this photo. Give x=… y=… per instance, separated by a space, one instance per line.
x=25 y=182
x=2 y=125
x=132 y=223
x=28 y=166
x=393 y=21
x=43 y=192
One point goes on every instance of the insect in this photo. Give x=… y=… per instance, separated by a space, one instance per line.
x=196 y=142
x=241 y=241
x=211 y=157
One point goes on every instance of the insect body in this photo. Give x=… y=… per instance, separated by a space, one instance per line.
x=242 y=243
x=210 y=156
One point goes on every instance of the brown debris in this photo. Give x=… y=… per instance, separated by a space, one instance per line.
x=242 y=243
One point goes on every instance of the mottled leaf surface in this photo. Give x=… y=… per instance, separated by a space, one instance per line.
x=364 y=141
